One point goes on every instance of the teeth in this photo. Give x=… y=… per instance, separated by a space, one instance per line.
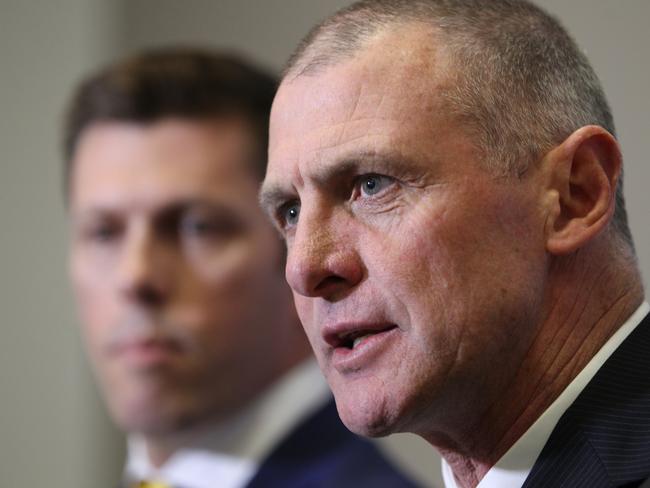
x=359 y=339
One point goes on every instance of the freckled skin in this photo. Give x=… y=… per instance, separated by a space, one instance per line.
x=220 y=293
x=451 y=255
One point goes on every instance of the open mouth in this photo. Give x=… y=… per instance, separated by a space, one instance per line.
x=356 y=347
x=352 y=339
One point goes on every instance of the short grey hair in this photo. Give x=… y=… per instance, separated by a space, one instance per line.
x=521 y=84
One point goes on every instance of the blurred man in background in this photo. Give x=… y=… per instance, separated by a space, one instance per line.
x=178 y=277
x=447 y=179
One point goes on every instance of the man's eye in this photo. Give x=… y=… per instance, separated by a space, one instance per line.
x=289 y=214
x=372 y=184
x=196 y=226
x=101 y=233
x=206 y=227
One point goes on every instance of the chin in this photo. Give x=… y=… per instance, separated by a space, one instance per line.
x=151 y=417
x=366 y=412
x=365 y=420
x=372 y=406
x=145 y=423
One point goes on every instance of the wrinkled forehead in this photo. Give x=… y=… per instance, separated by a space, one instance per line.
x=401 y=62
x=396 y=77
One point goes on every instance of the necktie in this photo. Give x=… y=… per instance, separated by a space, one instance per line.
x=152 y=484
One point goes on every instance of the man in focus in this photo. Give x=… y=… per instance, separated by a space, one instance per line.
x=446 y=176
x=178 y=277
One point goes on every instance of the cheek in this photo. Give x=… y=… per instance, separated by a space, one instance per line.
x=305 y=309
x=226 y=283
x=222 y=271
x=224 y=297
x=94 y=308
x=417 y=263
x=472 y=261
x=241 y=267
x=431 y=272
x=94 y=277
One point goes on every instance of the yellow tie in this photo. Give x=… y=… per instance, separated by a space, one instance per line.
x=152 y=484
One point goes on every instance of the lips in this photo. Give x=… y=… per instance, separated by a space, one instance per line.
x=145 y=352
x=354 y=346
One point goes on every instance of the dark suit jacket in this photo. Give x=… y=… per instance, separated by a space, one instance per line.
x=603 y=439
x=322 y=453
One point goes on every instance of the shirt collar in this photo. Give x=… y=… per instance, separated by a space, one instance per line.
x=232 y=451
x=514 y=467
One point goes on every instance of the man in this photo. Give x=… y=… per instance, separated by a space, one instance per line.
x=447 y=180
x=187 y=319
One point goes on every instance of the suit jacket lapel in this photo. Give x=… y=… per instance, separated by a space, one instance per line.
x=603 y=439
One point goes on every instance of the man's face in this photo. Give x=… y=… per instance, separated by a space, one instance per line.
x=177 y=274
x=416 y=274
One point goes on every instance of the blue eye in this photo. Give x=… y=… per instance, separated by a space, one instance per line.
x=373 y=184
x=290 y=214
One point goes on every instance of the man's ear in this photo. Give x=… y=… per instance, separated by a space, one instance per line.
x=583 y=173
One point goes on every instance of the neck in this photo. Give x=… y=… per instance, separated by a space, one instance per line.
x=160 y=448
x=590 y=298
x=230 y=423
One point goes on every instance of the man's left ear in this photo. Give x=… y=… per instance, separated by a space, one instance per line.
x=583 y=174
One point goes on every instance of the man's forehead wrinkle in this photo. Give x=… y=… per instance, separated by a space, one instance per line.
x=369 y=107
x=357 y=96
x=370 y=138
x=315 y=148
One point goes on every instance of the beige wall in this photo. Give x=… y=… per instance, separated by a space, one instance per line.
x=616 y=39
x=50 y=415
x=52 y=432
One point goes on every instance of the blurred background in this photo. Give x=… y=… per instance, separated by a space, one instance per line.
x=53 y=429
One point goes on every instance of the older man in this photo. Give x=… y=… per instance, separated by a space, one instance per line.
x=188 y=321
x=447 y=179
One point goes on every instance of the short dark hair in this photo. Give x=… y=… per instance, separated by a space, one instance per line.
x=184 y=82
x=521 y=85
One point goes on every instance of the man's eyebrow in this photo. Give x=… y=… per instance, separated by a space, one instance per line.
x=274 y=194
x=204 y=203
x=110 y=207
x=389 y=161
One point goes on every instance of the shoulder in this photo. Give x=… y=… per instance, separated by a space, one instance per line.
x=321 y=452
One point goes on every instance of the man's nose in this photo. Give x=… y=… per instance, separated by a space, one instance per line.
x=322 y=262
x=143 y=268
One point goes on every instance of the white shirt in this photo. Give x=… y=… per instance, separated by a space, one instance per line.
x=513 y=468
x=229 y=454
